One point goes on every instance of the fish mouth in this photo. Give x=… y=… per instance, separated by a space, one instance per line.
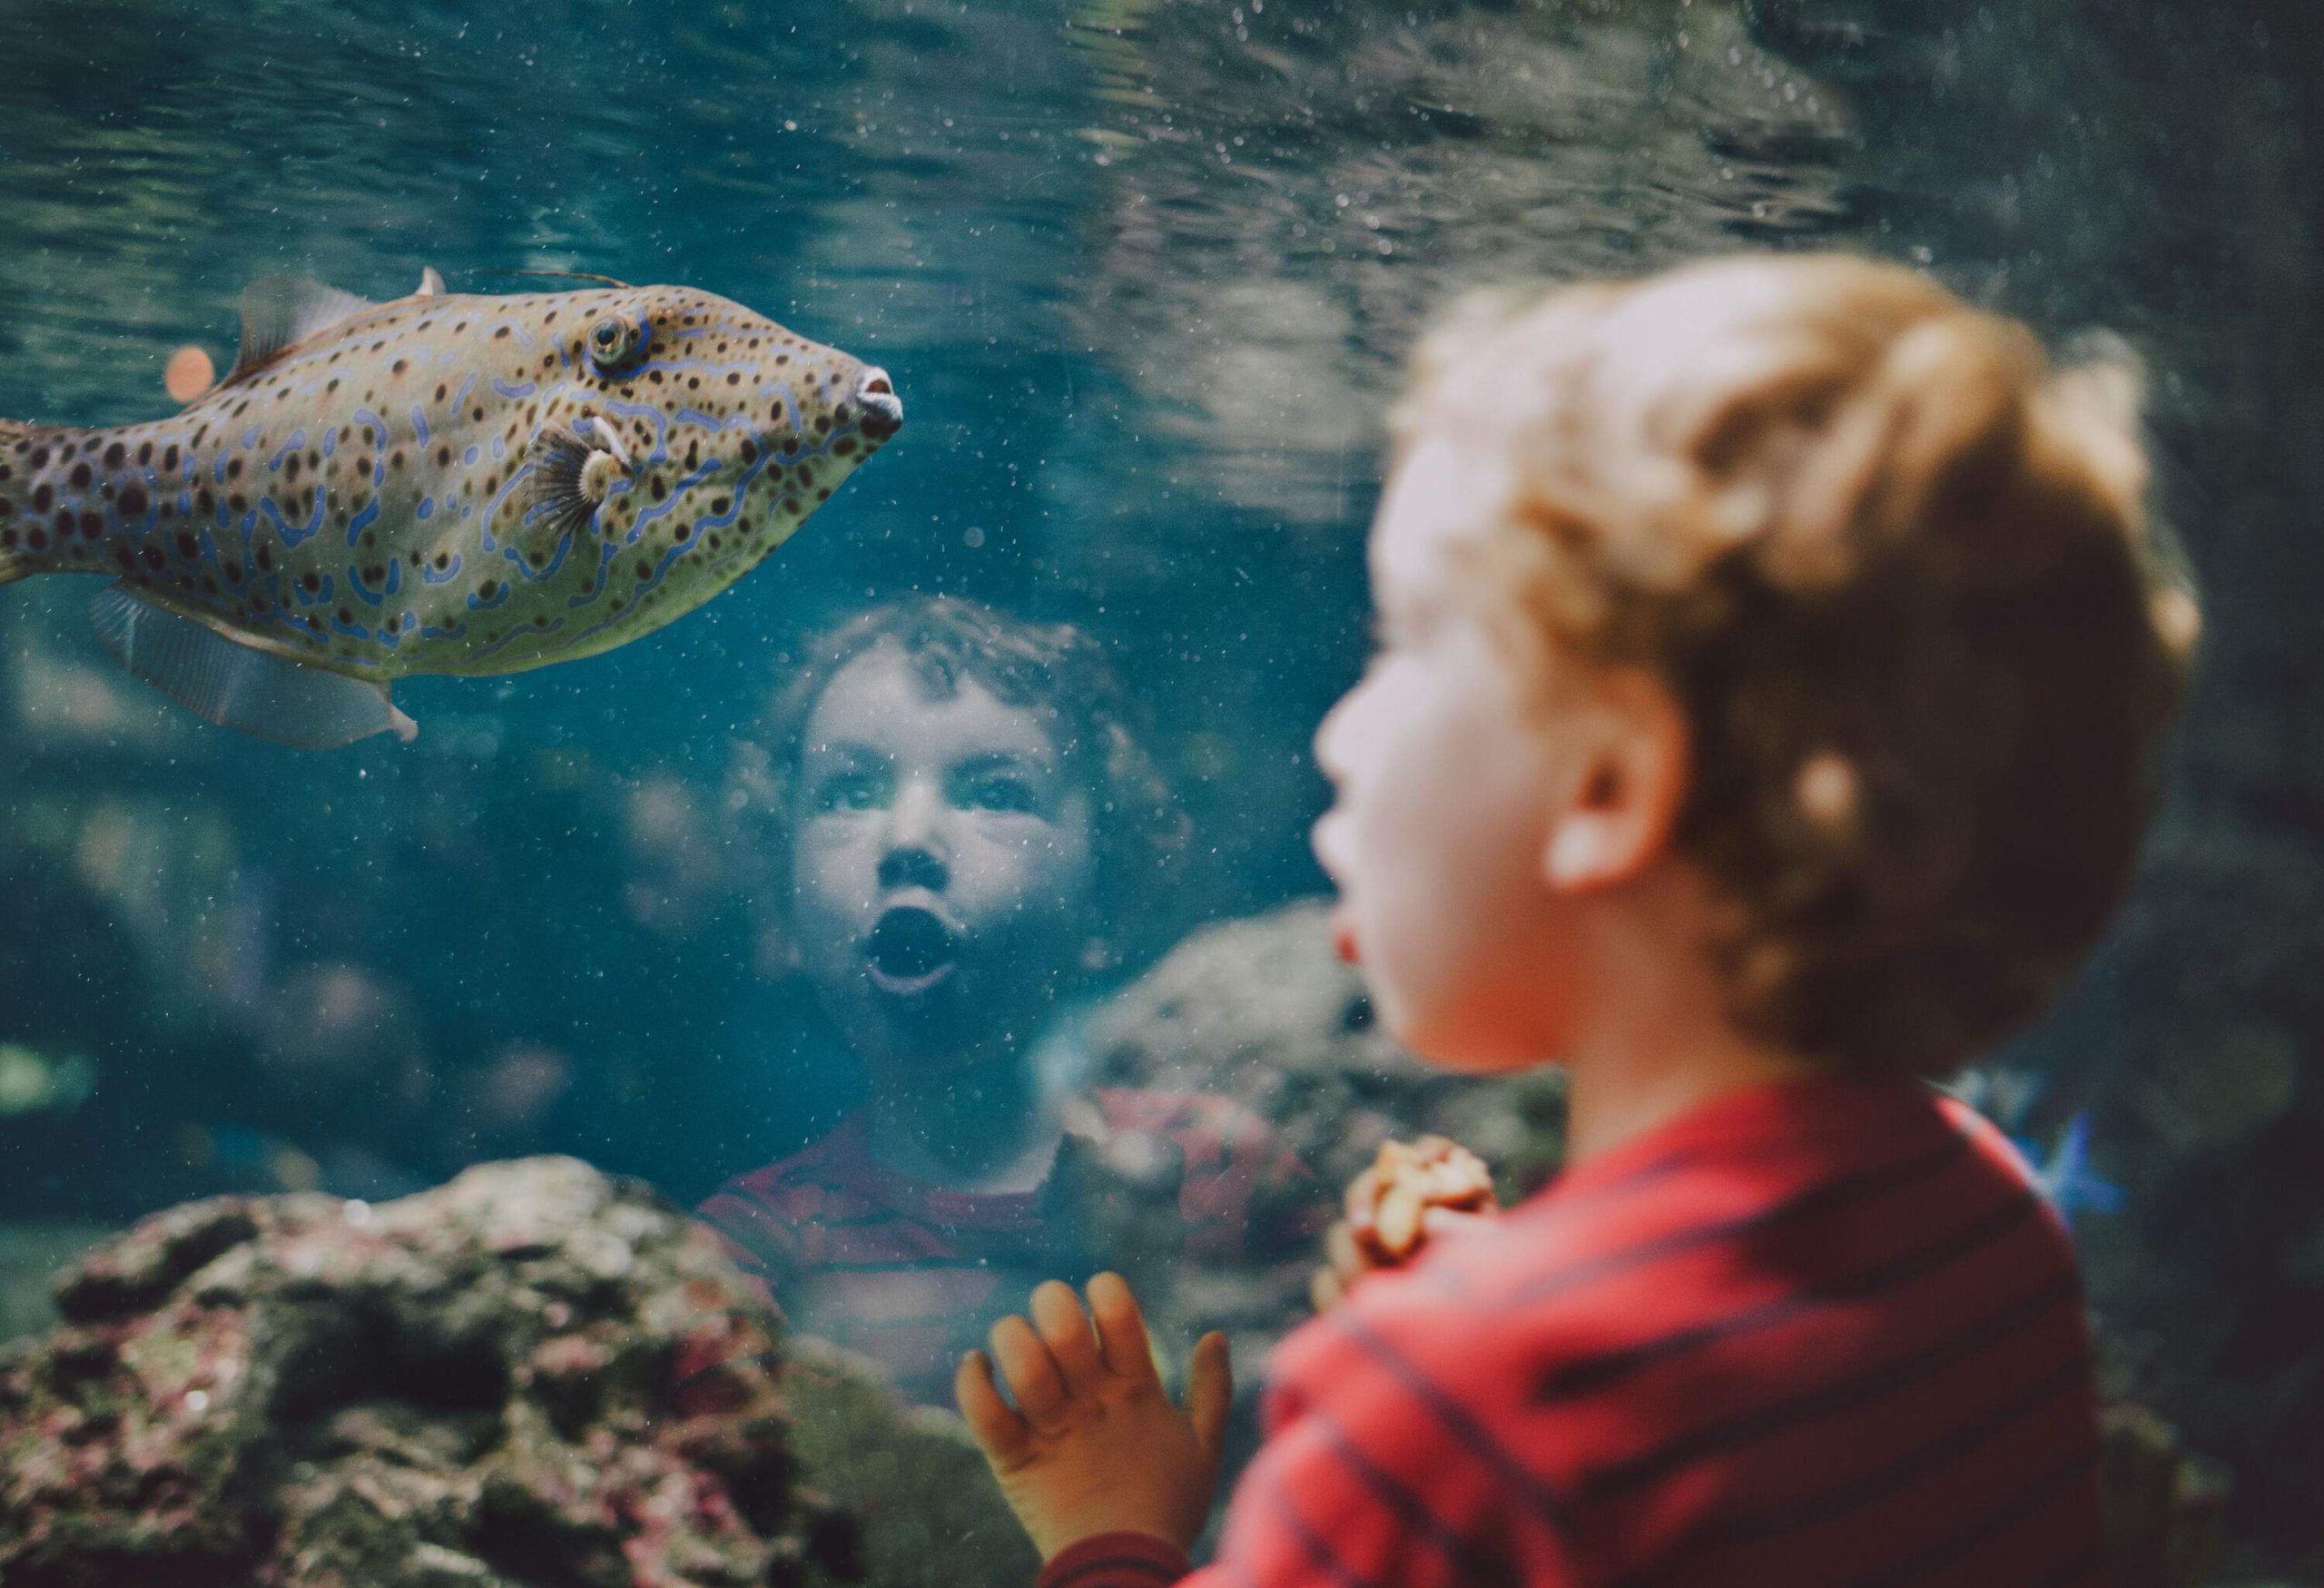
x=883 y=410
x=909 y=950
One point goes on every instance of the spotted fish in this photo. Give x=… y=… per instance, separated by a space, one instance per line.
x=441 y=484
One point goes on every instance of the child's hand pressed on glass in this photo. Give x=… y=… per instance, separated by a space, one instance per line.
x=1093 y=1443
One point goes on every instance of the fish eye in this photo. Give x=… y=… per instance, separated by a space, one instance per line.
x=613 y=344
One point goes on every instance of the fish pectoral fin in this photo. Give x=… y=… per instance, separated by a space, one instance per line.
x=237 y=686
x=279 y=312
x=431 y=285
x=571 y=477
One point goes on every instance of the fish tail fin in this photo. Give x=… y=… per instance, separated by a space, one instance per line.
x=14 y=564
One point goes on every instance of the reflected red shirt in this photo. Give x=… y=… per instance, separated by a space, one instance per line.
x=913 y=1274
x=1815 y=1335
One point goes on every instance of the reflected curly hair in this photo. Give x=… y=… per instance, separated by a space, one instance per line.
x=1139 y=833
x=1898 y=573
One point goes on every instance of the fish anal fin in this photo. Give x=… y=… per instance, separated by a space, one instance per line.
x=280 y=312
x=239 y=686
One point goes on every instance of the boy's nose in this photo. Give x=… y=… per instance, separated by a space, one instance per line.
x=913 y=866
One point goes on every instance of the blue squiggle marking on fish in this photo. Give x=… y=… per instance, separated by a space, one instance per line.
x=492 y=514
x=420 y=424
x=469 y=456
x=292 y=534
x=524 y=389
x=298 y=440
x=362 y=520
x=323 y=593
x=428 y=575
x=249 y=438
x=662 y=510
x=466 y=386
x=331 y=442
x=355 y=629
x=479 y=603
x=427 y=509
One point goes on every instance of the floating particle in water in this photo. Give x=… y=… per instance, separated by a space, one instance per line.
x=188 y=374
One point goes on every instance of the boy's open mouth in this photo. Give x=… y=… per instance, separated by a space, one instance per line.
x=910 y=951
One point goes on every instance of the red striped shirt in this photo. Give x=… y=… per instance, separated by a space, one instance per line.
x=913 y=1274
x=1822 y=1336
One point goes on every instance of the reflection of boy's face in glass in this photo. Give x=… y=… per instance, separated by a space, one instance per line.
x=941 y=860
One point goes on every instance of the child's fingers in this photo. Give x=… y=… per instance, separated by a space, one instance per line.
x=1121 y=1329
x=1362 y=1196
x=1324 y=1289
x=998 y=1429
x=1210 y=1393
x=1064 y=1330
x=1347 y=1259
x=1032 y=1374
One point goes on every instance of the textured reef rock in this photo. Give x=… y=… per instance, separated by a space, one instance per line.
x=1263 y=1012
x=477 y=1385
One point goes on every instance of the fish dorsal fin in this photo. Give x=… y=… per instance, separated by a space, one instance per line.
x=431 y=283
x=281 y=310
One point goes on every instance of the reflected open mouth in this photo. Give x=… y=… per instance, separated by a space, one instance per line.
x=910 y=951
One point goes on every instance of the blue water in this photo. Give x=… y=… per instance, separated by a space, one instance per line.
x=1143 y=271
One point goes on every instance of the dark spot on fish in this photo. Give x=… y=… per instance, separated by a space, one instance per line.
x=681 y=534
x=488 y=589
x=37 y=540
x=750 y=451
x=501 y=334
x=242 y=408
x=144 y=455
x=233 y=573
x=210 y=584
x=40 y=457
x=80 y=476
x=66 y=455
x=823 y=495
x=443 y=560
x=188 y=547
x=233 y=468
x=440 y=391
x=443 y=457
x=132 y=501
x=333 y=386
x=345 y=616
x=644 y=569
x=265 y=559
x=734 y=377
x=363 y=465
x=92 y=526
x=822 y=424
x=290 y=469
x=660 y=490
x=693 y=383
x=654 y=376
x=399 y=366
x=7 y=473
x=395 y=459
x=845 y=447
x=120 y=554
x=478 y=412
x=310 y=582
x=693 y=453
x=114 y=455
x=782 y=359
x=42 y=496
x=207 y=502
x=238 y=503
x=153 y=560
x=540 y=620
x=6 y=508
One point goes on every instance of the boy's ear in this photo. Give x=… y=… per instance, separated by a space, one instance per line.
x=1614 y=820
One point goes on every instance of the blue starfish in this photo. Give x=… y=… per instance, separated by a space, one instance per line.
x=2065 y=1178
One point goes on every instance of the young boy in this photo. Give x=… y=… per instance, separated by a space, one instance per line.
x=961 y=806
x=1772 y=664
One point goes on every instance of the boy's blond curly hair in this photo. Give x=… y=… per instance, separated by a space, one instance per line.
x=1897 y=570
